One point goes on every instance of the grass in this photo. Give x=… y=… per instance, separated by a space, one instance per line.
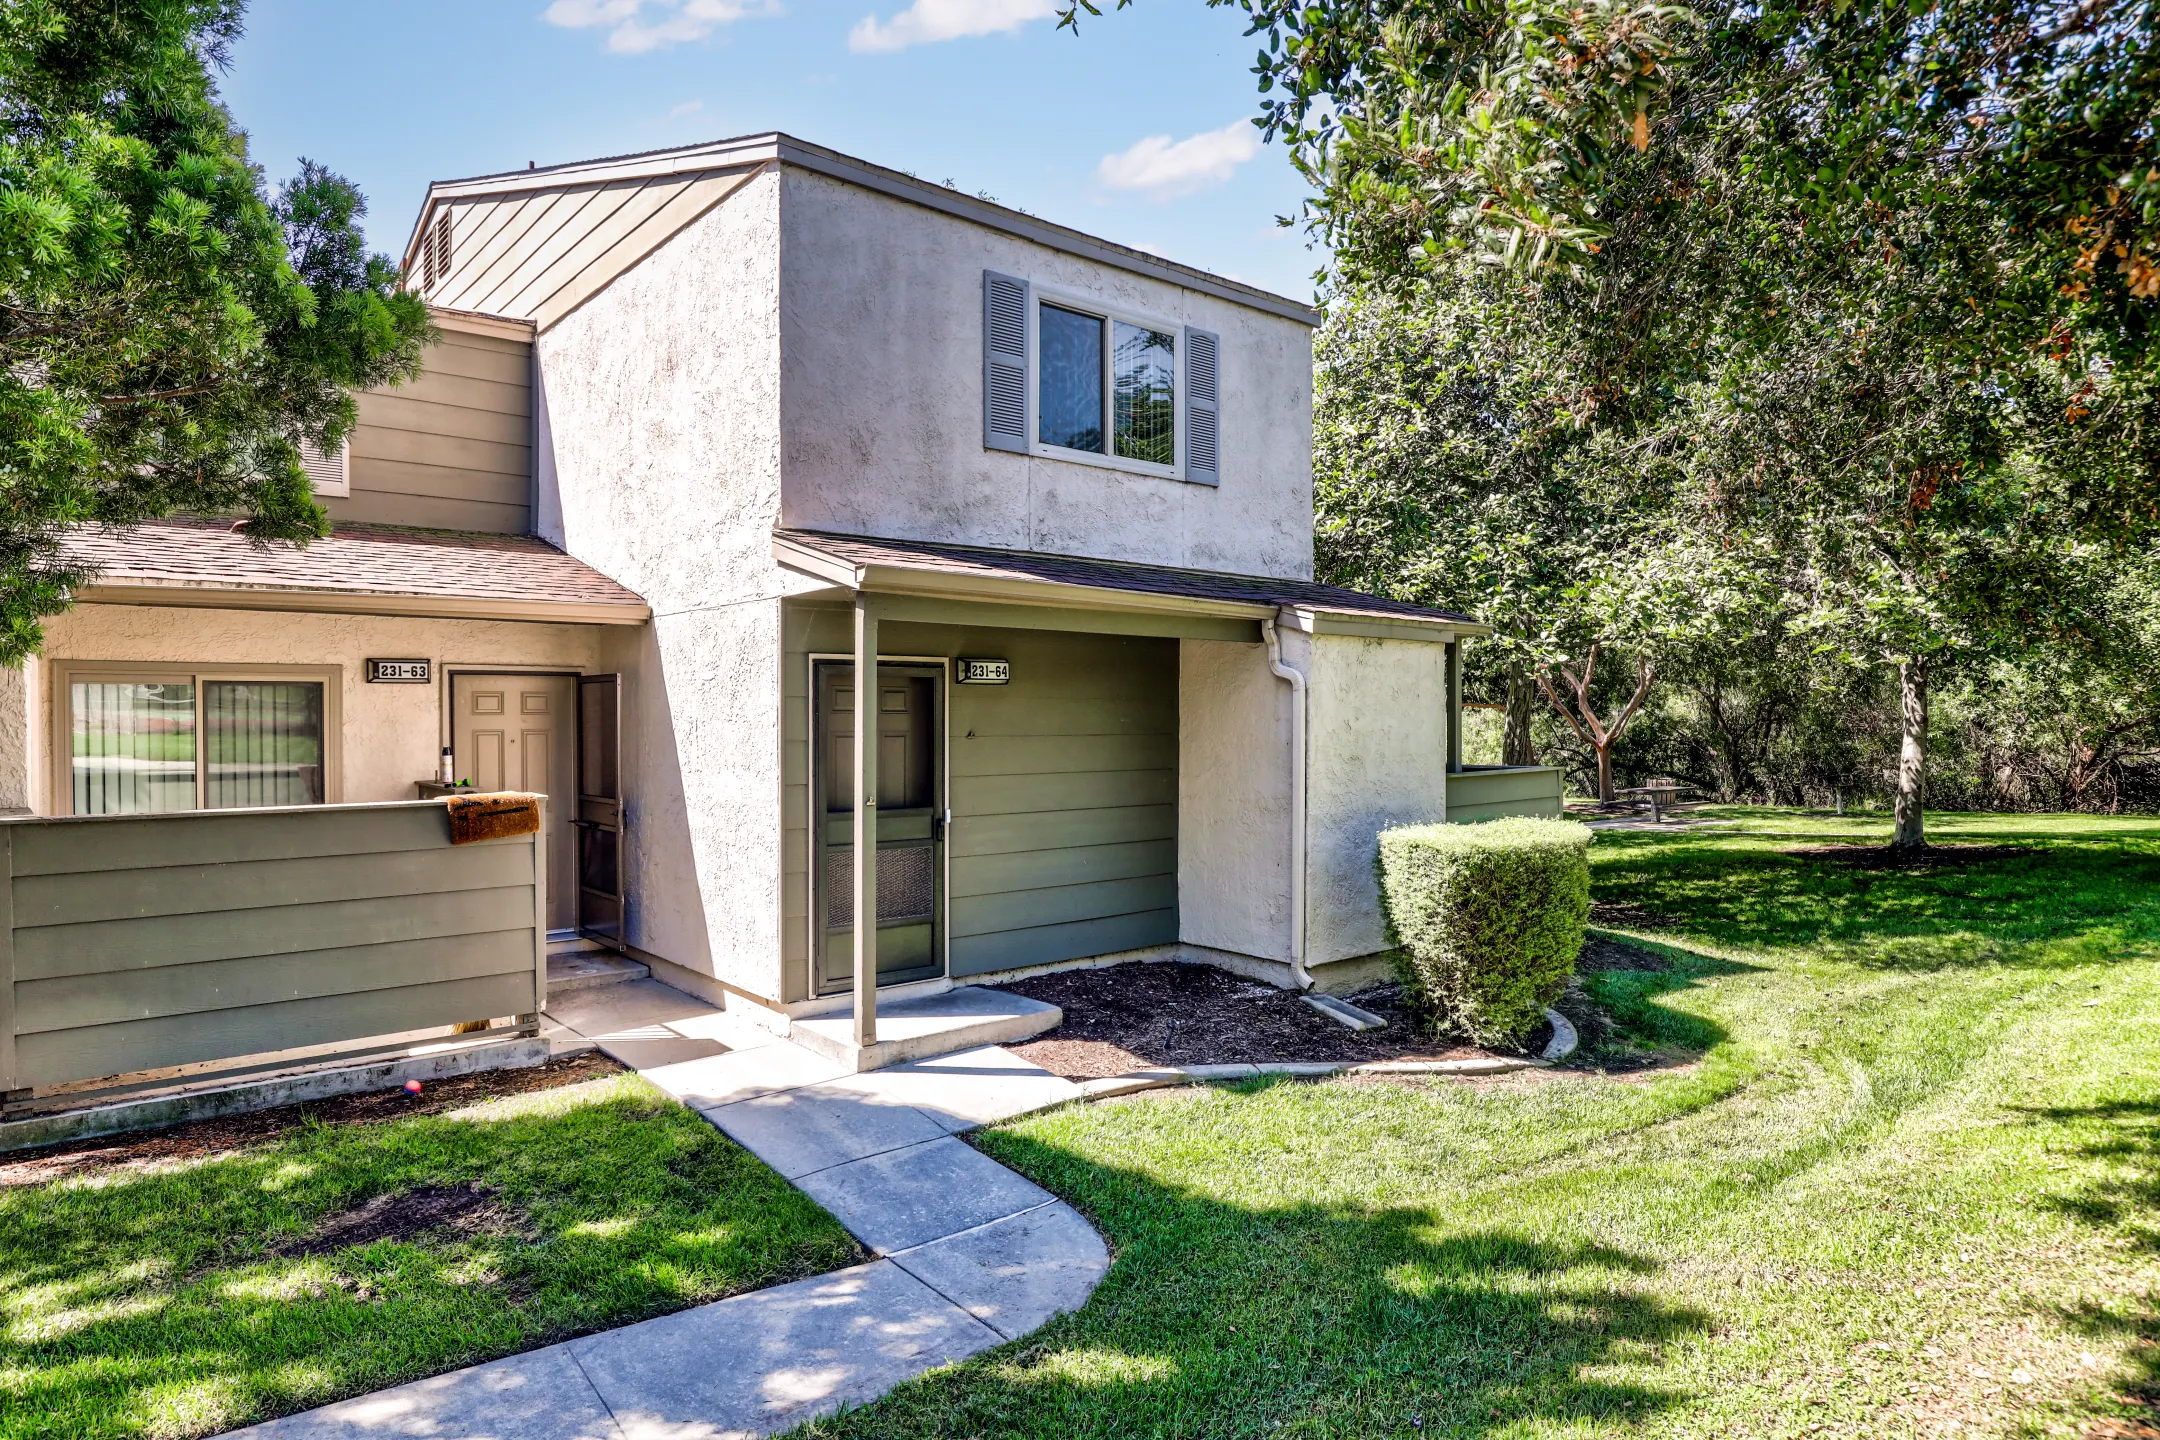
x=1895 y=1170
x=162 y=1299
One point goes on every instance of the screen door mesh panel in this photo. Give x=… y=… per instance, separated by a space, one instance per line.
x=906 y=885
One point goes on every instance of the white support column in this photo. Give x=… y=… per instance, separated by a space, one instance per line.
x=866 y=829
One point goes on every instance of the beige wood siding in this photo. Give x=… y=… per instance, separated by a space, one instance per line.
x=451 y=450
x=142 y=942
x=1063 y=787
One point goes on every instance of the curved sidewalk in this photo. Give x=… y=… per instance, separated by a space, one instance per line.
x=969 y=1254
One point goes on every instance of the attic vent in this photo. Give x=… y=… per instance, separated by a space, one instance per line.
x=435 y=254
x=328 y=474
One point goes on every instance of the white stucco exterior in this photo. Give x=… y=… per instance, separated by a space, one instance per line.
x=1377 y=751
x=881 y=353
x=1234 y=799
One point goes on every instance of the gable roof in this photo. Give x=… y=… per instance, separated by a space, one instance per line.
x=358 y=569
x=609 y=214
x=1032 y=576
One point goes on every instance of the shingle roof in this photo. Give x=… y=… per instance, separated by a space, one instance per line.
x=1112 y=575
x=354 y=562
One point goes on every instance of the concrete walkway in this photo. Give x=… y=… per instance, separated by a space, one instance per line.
x=969 y=1254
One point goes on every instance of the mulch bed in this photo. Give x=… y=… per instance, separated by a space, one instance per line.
x=1598 y=953
x=206 y=1138
x=1929 y=857
x=1131 y=1017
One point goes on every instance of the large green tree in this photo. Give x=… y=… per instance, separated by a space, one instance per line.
x=170 y=329
x=1873 y=283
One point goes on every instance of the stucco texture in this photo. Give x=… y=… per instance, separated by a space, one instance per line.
x=1234 y=798
x=881 y=400
x=1377 y=748
x=659 y=465
x=391 y=736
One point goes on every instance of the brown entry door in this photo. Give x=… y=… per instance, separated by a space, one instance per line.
x=600 y=808
x=910 y=829
x=519 y=732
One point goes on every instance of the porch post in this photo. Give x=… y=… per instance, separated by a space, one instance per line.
x=866 y=830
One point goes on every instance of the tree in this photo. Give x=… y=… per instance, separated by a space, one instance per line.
x=170 y=331
x=1905 y=250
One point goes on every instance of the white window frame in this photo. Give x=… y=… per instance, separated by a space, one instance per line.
x=1040 y=295
x=65 y=673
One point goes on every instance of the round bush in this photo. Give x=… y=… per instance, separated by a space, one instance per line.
x=1488 y=918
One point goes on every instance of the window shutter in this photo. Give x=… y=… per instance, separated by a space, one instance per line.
x=1202 y=407
x=1005 y=377
x=327 y=474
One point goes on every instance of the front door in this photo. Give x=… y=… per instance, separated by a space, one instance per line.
x=519 y=732
x=911 y=830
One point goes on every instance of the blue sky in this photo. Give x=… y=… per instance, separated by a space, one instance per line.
x=1136 y=130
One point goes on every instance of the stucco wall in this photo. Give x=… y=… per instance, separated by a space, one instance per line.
x=881 y=352
x=659 y=464
x=392 y=735
x=1378 y=757
x=1234 y=798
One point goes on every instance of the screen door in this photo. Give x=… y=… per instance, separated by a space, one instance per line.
x=911 y=832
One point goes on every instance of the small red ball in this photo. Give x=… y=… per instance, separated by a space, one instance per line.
x=412 y=1087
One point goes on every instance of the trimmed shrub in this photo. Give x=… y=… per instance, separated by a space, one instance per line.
x=1487 y=917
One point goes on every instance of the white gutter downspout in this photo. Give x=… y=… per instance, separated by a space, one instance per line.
x=1297 y=801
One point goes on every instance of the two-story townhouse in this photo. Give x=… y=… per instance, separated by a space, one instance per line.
x=726 y=447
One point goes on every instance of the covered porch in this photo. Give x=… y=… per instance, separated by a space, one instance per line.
x=1080 y=762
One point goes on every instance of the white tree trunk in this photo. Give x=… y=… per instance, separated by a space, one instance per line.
x=1909 y=832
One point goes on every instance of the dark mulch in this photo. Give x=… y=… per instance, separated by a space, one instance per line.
x=205 y=1138
x=1928 y=857
x=403 y=1215
x=1130 y=1017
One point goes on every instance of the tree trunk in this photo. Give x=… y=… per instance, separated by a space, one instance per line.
x=1604 y=773
x=1909 y=831
x=1515 y=733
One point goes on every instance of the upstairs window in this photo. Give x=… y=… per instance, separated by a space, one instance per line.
x=1065 y=377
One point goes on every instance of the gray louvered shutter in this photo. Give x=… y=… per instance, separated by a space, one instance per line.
x=1005 y=387
x=327 y=474
x=1202 y=408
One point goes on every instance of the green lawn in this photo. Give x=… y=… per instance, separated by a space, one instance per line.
x=164 y=1298
x=1897 y=1170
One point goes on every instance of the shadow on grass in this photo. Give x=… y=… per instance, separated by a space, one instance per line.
x=1624 y=1024
x=1219 y=1319
x=163 y=1298
x=2070 y=898
x=2125 y=1204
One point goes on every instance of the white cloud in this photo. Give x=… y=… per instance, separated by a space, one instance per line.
x=671 y=22
x=688 y=107
x=1163 y=169
x=928 y=21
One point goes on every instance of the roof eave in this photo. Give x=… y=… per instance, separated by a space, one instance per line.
x=224 y=595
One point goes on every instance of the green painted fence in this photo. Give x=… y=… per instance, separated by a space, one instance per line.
x=141 y=943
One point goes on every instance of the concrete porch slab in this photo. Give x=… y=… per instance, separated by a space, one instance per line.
x=1017 y=1273
x=745 y=1074
x=910 y=1197
x=646 y=1025
x=960 y=1019
x=583 y=969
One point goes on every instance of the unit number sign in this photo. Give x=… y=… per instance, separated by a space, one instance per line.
x=400 y=672
x=985 y=672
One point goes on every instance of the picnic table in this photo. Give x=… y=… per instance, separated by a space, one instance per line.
x=1659 y=793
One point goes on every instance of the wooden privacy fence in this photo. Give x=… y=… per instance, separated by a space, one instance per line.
x=142 y=943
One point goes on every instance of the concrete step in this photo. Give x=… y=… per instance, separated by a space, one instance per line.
x=583 y=969
x=915 y=1029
